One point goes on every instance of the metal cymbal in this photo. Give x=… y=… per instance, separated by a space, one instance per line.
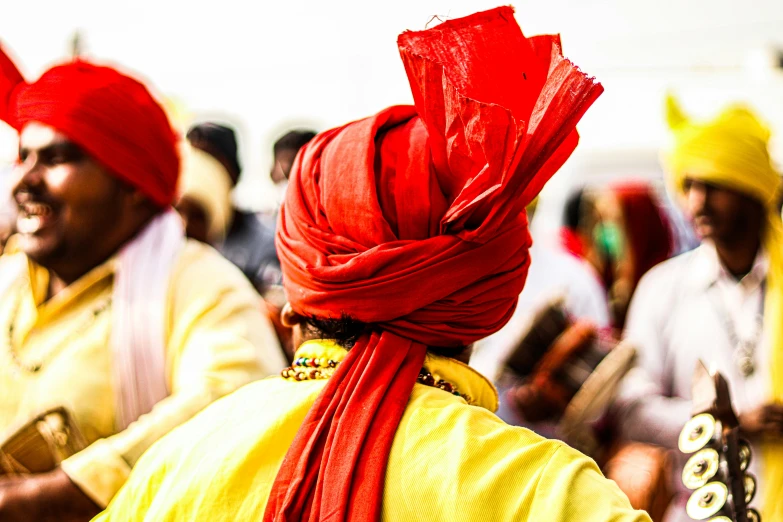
x=700 y=468
x=707 y=500
x=745 y=454
x=750 y=487
x=697 y=433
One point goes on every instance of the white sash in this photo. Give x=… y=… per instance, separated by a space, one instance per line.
x=139 y=314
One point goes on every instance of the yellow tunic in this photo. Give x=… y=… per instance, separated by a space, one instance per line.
x=449 y=462
x=217 y=341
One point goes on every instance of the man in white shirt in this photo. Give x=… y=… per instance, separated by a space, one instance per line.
x=718 y=303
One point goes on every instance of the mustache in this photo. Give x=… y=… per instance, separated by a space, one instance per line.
x=28 y=195
x=704 y=213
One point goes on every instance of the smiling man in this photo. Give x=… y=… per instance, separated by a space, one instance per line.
x=106 y=310
x=720 y=303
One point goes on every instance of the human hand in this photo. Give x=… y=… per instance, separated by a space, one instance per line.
x=766 y=419
x=44 y=497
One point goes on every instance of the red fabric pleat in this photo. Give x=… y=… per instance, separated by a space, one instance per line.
x=11 y=81
x=413 y=221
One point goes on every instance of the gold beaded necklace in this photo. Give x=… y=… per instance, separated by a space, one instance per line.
x=81 y=330
x=315 y=368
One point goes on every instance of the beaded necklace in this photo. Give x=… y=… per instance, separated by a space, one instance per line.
x=37 y=366
x=315 y=368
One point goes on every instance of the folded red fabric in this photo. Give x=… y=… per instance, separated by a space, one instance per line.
x=413 y=220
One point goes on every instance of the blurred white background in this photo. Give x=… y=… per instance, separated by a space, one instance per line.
x=267 y=67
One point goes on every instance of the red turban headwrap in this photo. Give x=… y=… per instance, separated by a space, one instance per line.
x=111 y=116
x=413 y=220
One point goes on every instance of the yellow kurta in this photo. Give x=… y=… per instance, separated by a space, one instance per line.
x=216 y=341
x=449 y=462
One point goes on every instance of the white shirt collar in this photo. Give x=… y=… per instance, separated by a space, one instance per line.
x=707 y=269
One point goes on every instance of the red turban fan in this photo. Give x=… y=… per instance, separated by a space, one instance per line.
x=111 y=116
x=413 y=220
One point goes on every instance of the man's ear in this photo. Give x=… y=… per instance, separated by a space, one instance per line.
x=289 y=318
x=141 y=202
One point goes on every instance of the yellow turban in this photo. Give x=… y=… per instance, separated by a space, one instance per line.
x=206 y=181
x=731 y=151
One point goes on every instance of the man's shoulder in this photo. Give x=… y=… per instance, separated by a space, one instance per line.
x=463 y=432
x=202 y=263
x=677 y=267
x=492 y=470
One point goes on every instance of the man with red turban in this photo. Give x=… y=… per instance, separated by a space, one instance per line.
x=403 y=239
x=115 y=329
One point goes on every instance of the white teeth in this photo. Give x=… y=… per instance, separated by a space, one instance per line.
x=36 y=209
x=28 y=225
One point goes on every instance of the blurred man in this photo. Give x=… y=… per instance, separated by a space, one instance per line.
x=107 y=310
x=248 y=243
x=720 y=303
x=204 y=197
x=392 y=246
x=285 y=151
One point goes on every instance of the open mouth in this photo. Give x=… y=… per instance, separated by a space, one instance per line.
x=34 y=216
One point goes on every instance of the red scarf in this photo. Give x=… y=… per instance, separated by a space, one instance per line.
x=413 y=221
x=648 y=232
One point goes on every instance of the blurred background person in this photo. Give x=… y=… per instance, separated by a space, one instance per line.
x=285 y=150
x=720 y=303
x=248 y=242
x=635 y=235
x=204 y=196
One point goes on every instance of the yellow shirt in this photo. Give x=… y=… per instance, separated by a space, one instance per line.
x=217 y=340
x=449 y=462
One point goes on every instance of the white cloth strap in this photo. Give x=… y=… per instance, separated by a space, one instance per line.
x=139 y=314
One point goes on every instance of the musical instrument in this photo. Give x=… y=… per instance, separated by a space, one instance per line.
x=41 y=444
x=717 y=468
x=567 y=372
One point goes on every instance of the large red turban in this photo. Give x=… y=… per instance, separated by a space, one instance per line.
x=413 y=220
x=110 y=115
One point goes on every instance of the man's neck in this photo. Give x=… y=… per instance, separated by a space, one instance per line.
x=62 y=278
x=738 y=257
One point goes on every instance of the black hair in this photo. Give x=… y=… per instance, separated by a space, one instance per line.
x=344 y=330
x=293 y=140
x=221 y=142
x=572 y=215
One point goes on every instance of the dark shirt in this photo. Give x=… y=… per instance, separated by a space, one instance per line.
x=250 y=245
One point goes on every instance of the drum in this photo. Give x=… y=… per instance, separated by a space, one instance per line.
x=41 y=444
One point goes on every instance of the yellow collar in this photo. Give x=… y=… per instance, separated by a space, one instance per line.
x=38 y=277
x=467 y=380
